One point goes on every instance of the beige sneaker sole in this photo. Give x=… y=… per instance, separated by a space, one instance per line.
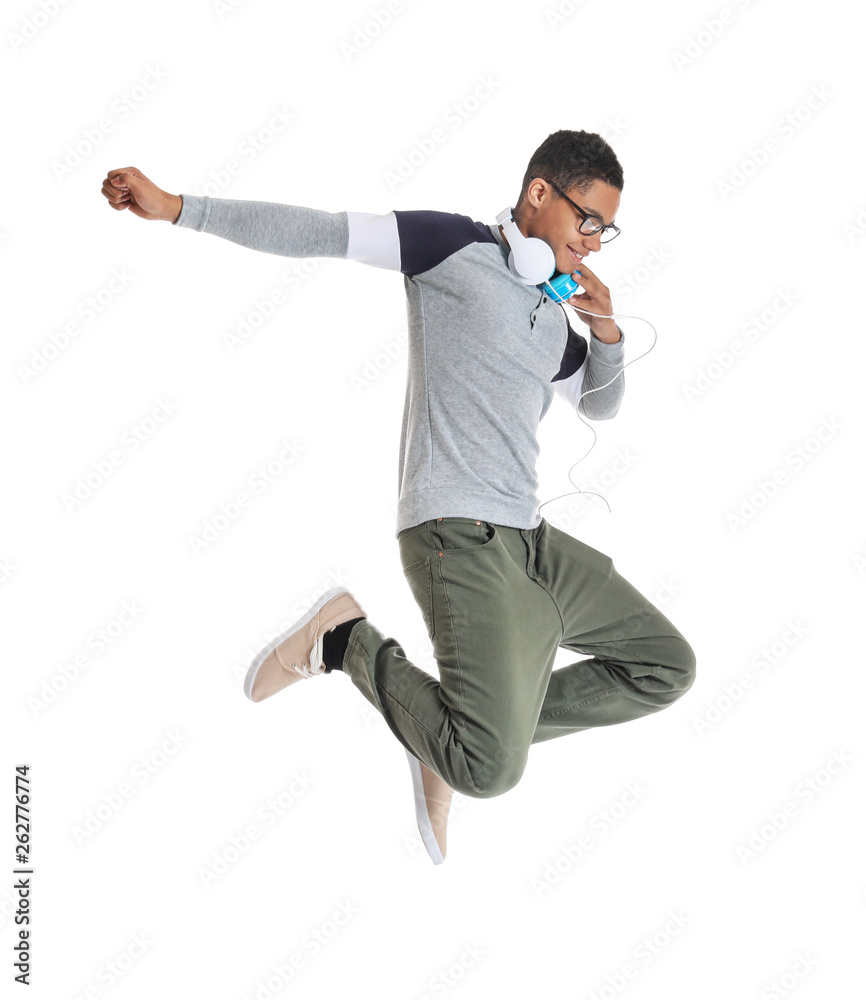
x=432 y=805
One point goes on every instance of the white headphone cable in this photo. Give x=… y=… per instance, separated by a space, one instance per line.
x=596 y=389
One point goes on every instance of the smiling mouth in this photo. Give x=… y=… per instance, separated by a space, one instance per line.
x=575 y=254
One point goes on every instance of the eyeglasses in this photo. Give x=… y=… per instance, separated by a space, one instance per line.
x=591 y=224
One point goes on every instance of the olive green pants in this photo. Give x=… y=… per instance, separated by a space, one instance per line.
x=498 y=602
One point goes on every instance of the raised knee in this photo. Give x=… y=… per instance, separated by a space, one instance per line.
x=679 y=667
x=688 y=665
x=495 y=775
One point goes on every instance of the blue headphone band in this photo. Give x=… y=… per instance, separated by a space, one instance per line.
x=561 y=288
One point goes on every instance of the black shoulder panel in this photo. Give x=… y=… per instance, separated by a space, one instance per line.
x=428 y=238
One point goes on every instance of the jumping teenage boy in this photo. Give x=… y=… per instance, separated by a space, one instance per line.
x=500 y=589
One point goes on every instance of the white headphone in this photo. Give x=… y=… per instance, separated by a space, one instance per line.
x=529 y=259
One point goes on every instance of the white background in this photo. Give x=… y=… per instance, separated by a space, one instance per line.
x=730 y=858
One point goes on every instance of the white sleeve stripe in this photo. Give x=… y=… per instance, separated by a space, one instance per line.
x=570 y=388
x=374 y=239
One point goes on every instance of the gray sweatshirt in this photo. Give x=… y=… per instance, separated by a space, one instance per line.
x=486 y=351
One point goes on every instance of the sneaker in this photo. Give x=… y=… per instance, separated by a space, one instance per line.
x=432 y=805
x=297 y=653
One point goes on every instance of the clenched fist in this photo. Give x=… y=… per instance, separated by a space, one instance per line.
x=129 y=188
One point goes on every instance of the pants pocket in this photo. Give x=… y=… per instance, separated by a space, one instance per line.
x=459 y=534
x=420 y=581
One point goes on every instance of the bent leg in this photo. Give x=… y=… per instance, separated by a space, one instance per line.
x=639 y=663
x=494 y=632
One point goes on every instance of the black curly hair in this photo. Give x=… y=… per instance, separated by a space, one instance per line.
x=573 y=159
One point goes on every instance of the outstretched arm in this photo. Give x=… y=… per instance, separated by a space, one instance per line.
x=410 y=242
x=270 y=227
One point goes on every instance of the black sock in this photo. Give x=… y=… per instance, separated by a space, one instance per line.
x=335 y=642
